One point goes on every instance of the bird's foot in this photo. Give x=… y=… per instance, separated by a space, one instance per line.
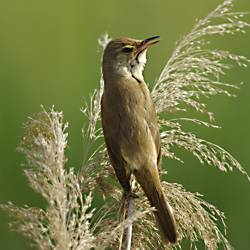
x=129 y=194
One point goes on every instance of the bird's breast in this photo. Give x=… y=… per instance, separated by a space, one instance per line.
x=130 y=118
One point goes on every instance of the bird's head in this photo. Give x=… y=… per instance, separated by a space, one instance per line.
x=126 y=57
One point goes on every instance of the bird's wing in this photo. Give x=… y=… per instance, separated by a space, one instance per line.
x=118 y=163
x=113 y=148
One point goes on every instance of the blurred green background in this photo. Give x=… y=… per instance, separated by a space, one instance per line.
x=49 y=55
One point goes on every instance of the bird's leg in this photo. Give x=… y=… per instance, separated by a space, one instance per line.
x=130 y=193
x=124 y=178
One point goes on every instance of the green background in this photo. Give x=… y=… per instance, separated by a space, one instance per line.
x=49 y=55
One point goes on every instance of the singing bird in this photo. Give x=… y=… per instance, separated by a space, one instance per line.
x=130 y=126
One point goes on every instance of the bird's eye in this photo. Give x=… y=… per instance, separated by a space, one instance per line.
x=128 y=49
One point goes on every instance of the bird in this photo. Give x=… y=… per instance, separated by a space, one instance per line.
x=130 y=126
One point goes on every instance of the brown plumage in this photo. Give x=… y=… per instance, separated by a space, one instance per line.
x=130 y=126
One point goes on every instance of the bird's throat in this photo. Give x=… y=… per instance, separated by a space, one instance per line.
x=136 y=66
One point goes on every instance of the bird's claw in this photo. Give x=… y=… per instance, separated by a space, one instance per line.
x=131 y=194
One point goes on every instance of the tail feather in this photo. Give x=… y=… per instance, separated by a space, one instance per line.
x=150 y=183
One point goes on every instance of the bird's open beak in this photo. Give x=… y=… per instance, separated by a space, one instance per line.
x=148 y=42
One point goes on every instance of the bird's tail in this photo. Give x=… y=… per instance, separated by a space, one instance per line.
x=150 y=183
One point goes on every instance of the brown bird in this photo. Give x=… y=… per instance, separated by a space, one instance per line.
x=130 y=125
